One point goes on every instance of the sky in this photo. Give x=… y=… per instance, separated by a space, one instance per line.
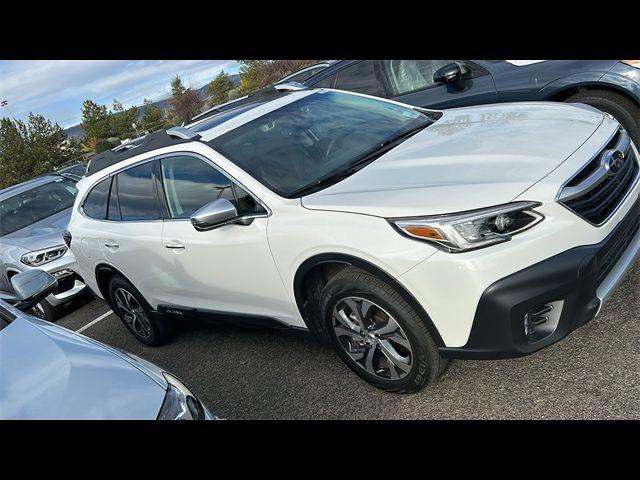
x=57 y=88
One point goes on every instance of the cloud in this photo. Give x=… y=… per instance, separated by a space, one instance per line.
x=57 y=88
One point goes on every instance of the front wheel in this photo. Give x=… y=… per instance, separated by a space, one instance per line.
x=135 y=313
x=45 y=311
x=377 y=333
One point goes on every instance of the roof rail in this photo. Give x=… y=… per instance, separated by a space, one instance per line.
x=182 y=132
x=290 y=87
x=153 y=141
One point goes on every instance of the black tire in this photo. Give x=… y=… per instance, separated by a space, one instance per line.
x=624 y=110
x=45 y=311
x=159 y=330
x=426 y=364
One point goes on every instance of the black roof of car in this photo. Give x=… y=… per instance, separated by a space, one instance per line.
x=153 y=141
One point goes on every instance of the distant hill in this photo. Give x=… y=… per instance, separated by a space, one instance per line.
x=77 y=132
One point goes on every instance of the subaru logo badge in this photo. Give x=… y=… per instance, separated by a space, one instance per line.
x=613 y=161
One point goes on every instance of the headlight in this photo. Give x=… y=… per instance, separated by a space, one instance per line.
x=40 y=257
x=474 y=229
x=632 y=63
x=179 y=403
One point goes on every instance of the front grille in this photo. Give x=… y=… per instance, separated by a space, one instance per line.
x=609 y=255
x=601 y=198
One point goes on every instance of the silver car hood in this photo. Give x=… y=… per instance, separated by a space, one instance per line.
x=470 y=158
x=43 y=234
x=48 y=372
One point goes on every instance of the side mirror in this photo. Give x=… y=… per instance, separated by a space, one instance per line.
x=31 y=287
x=214 y=214
x=450 y=73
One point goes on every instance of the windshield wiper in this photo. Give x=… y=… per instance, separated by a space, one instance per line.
x=358 y=163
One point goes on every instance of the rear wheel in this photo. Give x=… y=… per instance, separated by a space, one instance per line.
x=377 y=333
x=618 y=106
x=135 y=313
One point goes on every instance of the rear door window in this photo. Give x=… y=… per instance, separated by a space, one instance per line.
x=360 y=77
x=136 y=194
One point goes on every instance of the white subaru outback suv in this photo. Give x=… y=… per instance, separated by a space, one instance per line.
x=403 y=236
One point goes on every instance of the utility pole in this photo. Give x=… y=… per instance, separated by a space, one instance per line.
x=4 y=104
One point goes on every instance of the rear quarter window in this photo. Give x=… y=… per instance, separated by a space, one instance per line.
x=95 y=203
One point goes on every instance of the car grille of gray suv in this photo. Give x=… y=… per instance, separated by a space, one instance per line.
x=598 y=189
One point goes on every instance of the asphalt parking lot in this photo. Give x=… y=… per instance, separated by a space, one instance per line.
x=266 y=374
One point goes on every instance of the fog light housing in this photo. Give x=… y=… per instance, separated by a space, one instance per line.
x=62 y=273
x=542 y=320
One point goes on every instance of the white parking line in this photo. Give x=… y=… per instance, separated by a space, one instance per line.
x=93 y=322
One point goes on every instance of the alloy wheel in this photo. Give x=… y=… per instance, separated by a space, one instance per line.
x=372 y=338
x=38 y=311
x=132 y=312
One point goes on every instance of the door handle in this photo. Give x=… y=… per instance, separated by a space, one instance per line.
x=174 y=245
x=111 y=244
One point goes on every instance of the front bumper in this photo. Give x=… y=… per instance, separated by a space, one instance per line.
x=578 y=281
x=70 y=284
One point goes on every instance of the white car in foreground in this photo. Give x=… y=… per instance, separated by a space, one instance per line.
x=403 y=236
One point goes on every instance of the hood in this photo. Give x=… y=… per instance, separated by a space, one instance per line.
x=48 y=372
x=470 y=158
x=42 y=234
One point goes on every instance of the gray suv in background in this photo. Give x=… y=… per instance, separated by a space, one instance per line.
x=33 y=216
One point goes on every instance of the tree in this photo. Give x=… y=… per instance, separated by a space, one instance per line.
x=32 y=148
x=273 y=70
x=185 y=102
x=177 y=88
x=256 y=74
x=121 y=120
x=95 y=120
x=103 y=145
x=234 y=93
x=219 y=88
x=153 y=117
x=250 y=74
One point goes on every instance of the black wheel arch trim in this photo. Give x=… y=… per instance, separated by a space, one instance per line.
x=105 y=291
x=561 y=93
x=319 y=259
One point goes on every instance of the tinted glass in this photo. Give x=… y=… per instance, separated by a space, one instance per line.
x=360 y=78
x=409 y=75
x=36 y=204
x=136 y=194
x=302 y=76
x=190 y=183
x=113 y=213
x=325 y=82
x=299 y=143
x=245 y=203
x=95 y=205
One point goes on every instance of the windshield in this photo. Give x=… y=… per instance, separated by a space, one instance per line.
x=31 y=206
x=306 y=140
